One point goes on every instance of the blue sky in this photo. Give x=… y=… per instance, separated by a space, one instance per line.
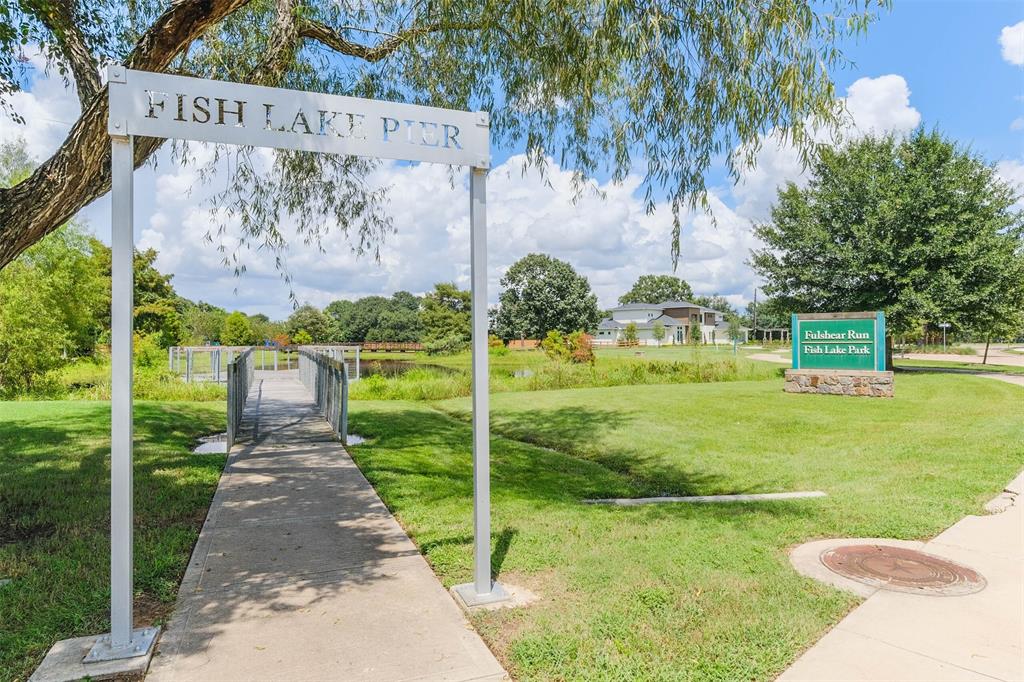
x=933 y=63
x=949 y=54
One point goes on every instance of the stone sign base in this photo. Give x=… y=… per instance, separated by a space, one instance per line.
x=840 y=382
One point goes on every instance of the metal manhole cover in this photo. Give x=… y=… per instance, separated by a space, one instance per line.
x=902 y=570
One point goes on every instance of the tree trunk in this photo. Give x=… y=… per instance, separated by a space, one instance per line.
x=79 y=171
x=888 y=353
x=984 y=360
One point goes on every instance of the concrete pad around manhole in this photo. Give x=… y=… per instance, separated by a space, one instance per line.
x=63 y=663
x=806 y=559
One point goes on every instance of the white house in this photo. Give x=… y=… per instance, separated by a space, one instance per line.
x=676 y=317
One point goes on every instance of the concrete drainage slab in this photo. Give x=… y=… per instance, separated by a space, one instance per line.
x=865 y=565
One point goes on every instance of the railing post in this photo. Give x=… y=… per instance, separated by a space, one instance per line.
x=344 y=404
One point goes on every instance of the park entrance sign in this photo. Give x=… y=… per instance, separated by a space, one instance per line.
x=839 y=341
x=839 y=353
x=167 y=106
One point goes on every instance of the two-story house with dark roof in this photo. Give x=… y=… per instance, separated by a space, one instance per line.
x=677 y=318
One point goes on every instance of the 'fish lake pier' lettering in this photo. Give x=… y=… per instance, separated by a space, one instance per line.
x=200 y=109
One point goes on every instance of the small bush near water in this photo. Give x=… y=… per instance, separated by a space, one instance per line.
x=431 y=384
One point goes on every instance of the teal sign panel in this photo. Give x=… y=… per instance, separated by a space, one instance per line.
x=854 y=341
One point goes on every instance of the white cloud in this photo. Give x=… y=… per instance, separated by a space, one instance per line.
x=48 y=110
x=1012 y=172
x=1017 y=123
x=881 y=105
x=612 y=240
x=1011 y=40
x=875 y=105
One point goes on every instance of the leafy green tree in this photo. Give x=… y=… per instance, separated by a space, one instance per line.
x=735 y=327
x=917 y=227
x=629 y=334
x=445 y=313
x=204 y=322
x=376 y=318
x=656 y=289
x=62 y=268
x=541 y=294
x=696 y=334
x=309 y=319
x=32 y=338
x=671 y=87
x=770 y=313
x=158 y=308
x=237 y=330
x=658 y=331
x=302 y=338
x=715 y=302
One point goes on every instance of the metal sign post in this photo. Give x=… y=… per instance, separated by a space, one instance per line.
x=166 y=106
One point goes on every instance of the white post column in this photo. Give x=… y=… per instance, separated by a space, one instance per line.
x=482 y=590
x=123 y=641
x=122 y=244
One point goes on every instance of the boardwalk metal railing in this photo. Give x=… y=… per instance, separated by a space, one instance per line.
x=346 y=353
x=240 y=375
x=208 y=363
x=326 y=378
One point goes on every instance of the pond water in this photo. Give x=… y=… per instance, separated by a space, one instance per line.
x=216 y=444
x=394 y=368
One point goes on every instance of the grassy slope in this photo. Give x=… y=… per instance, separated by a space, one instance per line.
x=54 y=516
x=684 y=592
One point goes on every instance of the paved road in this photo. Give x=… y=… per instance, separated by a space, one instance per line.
x=301 y=573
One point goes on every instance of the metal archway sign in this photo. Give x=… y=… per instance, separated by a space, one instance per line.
x=177 y=107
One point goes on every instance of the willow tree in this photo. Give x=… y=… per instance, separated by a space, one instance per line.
x=666 y=86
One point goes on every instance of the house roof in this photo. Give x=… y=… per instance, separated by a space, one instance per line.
x=667 y=321
x=663 y=305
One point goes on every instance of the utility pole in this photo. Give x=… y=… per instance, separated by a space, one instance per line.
x=755 y=313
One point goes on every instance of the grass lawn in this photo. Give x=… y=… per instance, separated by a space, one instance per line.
x=54 y=517
x=683 y=592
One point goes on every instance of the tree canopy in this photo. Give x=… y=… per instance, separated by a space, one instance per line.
x=541 y=294
x=309 y=319
x=237 y=330
x=446 y=314
x=376 y=318
x=669 y=87
x=657 y=289
x=917 y=227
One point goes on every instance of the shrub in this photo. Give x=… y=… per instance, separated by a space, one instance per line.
x=580 y=348
x=555 y=347
x=448 y=345
x=148 y=351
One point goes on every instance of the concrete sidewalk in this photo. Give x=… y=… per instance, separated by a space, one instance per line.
x=898 y=636
x=301 y=573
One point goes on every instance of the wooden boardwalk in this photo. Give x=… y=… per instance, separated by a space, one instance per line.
x=301 y=573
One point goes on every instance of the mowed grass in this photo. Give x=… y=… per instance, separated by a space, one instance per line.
x=54 y=517
x=683 y=592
